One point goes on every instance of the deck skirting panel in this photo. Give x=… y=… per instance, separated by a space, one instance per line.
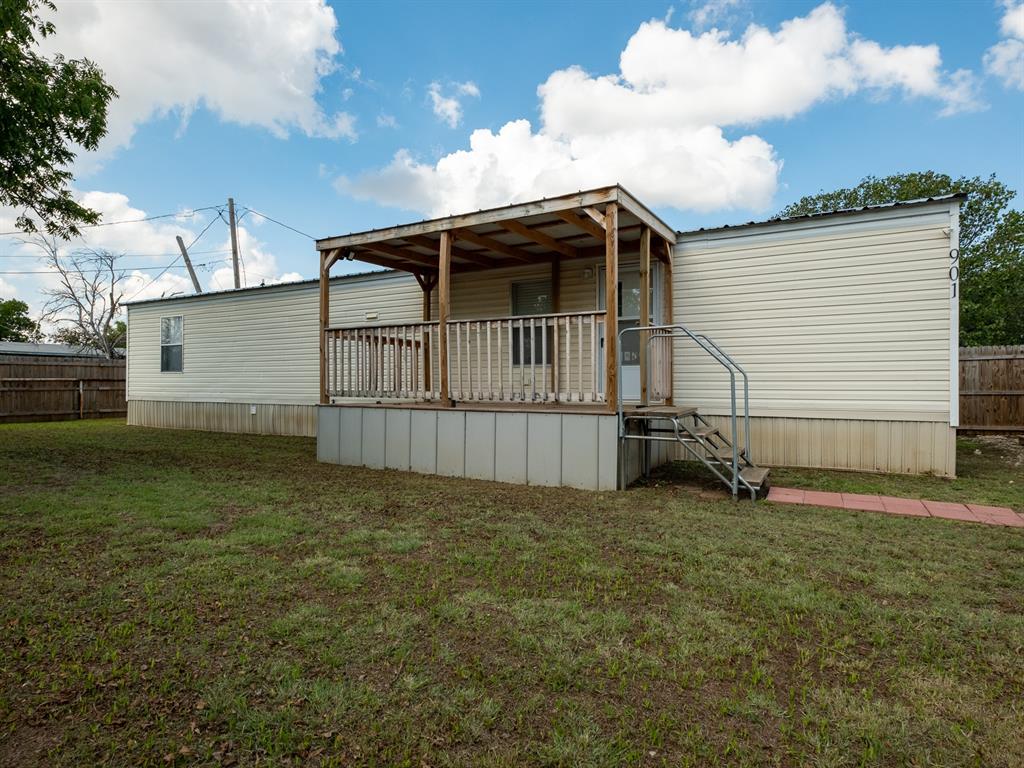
x=576 y=450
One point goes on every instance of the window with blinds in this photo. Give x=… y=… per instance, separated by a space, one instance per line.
x=532 y=297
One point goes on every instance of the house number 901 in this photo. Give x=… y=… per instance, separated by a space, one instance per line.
x=954 y=269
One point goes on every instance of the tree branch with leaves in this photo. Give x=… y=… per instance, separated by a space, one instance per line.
x=49 y=107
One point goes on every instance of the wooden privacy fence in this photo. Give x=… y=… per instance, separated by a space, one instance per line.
x=992 y=388
x=52 y=388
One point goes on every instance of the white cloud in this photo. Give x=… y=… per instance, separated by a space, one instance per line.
x=386 y=121
x=250 y=63
x=709 y=13
x=1012 y=23
x=448 y=108
x=7 y=290
x=1005 y=59
x=665 y=124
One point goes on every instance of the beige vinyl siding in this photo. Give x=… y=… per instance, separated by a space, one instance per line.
x=256 y=346
x=871 y=445
x=840 y=318
x=488 y=294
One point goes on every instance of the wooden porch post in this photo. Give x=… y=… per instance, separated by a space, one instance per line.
x=325 y=320
x=645 y=306
x=427 y=283
x=611 y=303
x=443 y=305
x=666 y=310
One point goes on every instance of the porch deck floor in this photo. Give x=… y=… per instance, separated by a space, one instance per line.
x=518 y=406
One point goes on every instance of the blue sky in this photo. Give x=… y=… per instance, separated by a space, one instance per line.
x=214 y=119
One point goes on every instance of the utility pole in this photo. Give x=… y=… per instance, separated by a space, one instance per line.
x=188 y=263
x=234 y=239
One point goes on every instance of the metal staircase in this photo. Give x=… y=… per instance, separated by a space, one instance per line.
x=723 y=455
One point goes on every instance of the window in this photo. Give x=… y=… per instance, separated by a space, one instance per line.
x=170 y=344
x=532 y=297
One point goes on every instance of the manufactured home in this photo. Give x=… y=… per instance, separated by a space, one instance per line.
x=580 y=341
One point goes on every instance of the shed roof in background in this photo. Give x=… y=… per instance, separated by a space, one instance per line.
x=53 y=350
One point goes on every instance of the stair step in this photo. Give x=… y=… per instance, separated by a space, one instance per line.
x=705 y=432
x=755 y=476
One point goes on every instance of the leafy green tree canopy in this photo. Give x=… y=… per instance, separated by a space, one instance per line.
x=116 y=334
x=15 y=324
x=48 y=107
x=991 y=244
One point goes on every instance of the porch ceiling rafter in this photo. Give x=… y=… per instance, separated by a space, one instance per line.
x=492 y=244
x=584 y=222
x=457 y=253
x=518 y=228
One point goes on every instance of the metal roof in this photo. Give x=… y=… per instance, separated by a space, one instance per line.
x=272 y=286
x=566 y=226
x=57 y=350
x=824 y=214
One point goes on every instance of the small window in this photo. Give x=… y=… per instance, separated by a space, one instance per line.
x=171 y=344
x=532 y=297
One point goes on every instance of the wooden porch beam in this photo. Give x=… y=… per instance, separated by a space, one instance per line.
x=666 y=307
x=645 y=307
x=457 y=253
x=380 y=261
x=325 y=321
x=586 y=224
x=401 y=253
x=497 y=246
x=556 y=286
x=663 y=252
x=427 y=284
x=596 y=215
x=449 y=223
x=540 y=238
x=443 y=304
x=611 y=303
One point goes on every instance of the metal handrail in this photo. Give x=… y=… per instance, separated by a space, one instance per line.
x=716 y=352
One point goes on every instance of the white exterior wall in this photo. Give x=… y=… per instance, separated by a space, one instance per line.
x=844 y=320
x=256 y=346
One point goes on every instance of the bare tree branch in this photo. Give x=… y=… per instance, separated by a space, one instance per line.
x=88 y=295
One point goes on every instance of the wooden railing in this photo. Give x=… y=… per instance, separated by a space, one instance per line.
x=538 y=358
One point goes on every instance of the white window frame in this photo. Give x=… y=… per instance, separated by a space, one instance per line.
x=181 y=343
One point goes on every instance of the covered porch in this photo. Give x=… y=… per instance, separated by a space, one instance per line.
x=521 y=309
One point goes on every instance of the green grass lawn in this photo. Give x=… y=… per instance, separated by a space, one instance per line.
x=175 y=598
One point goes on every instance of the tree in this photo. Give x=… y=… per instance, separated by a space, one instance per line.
x=87 y=298
x=48 y=107
x=15 y=324
x=991 y=244
x=74 y=337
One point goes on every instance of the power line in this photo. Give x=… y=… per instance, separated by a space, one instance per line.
x=120 y=255
x=192 y=212
x=194 y=241
x=280 y=223
x=127 y=269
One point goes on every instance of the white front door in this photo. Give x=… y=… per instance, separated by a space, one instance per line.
x=629 y=317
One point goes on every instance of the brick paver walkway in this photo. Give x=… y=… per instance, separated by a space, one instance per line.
x=974 y=513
